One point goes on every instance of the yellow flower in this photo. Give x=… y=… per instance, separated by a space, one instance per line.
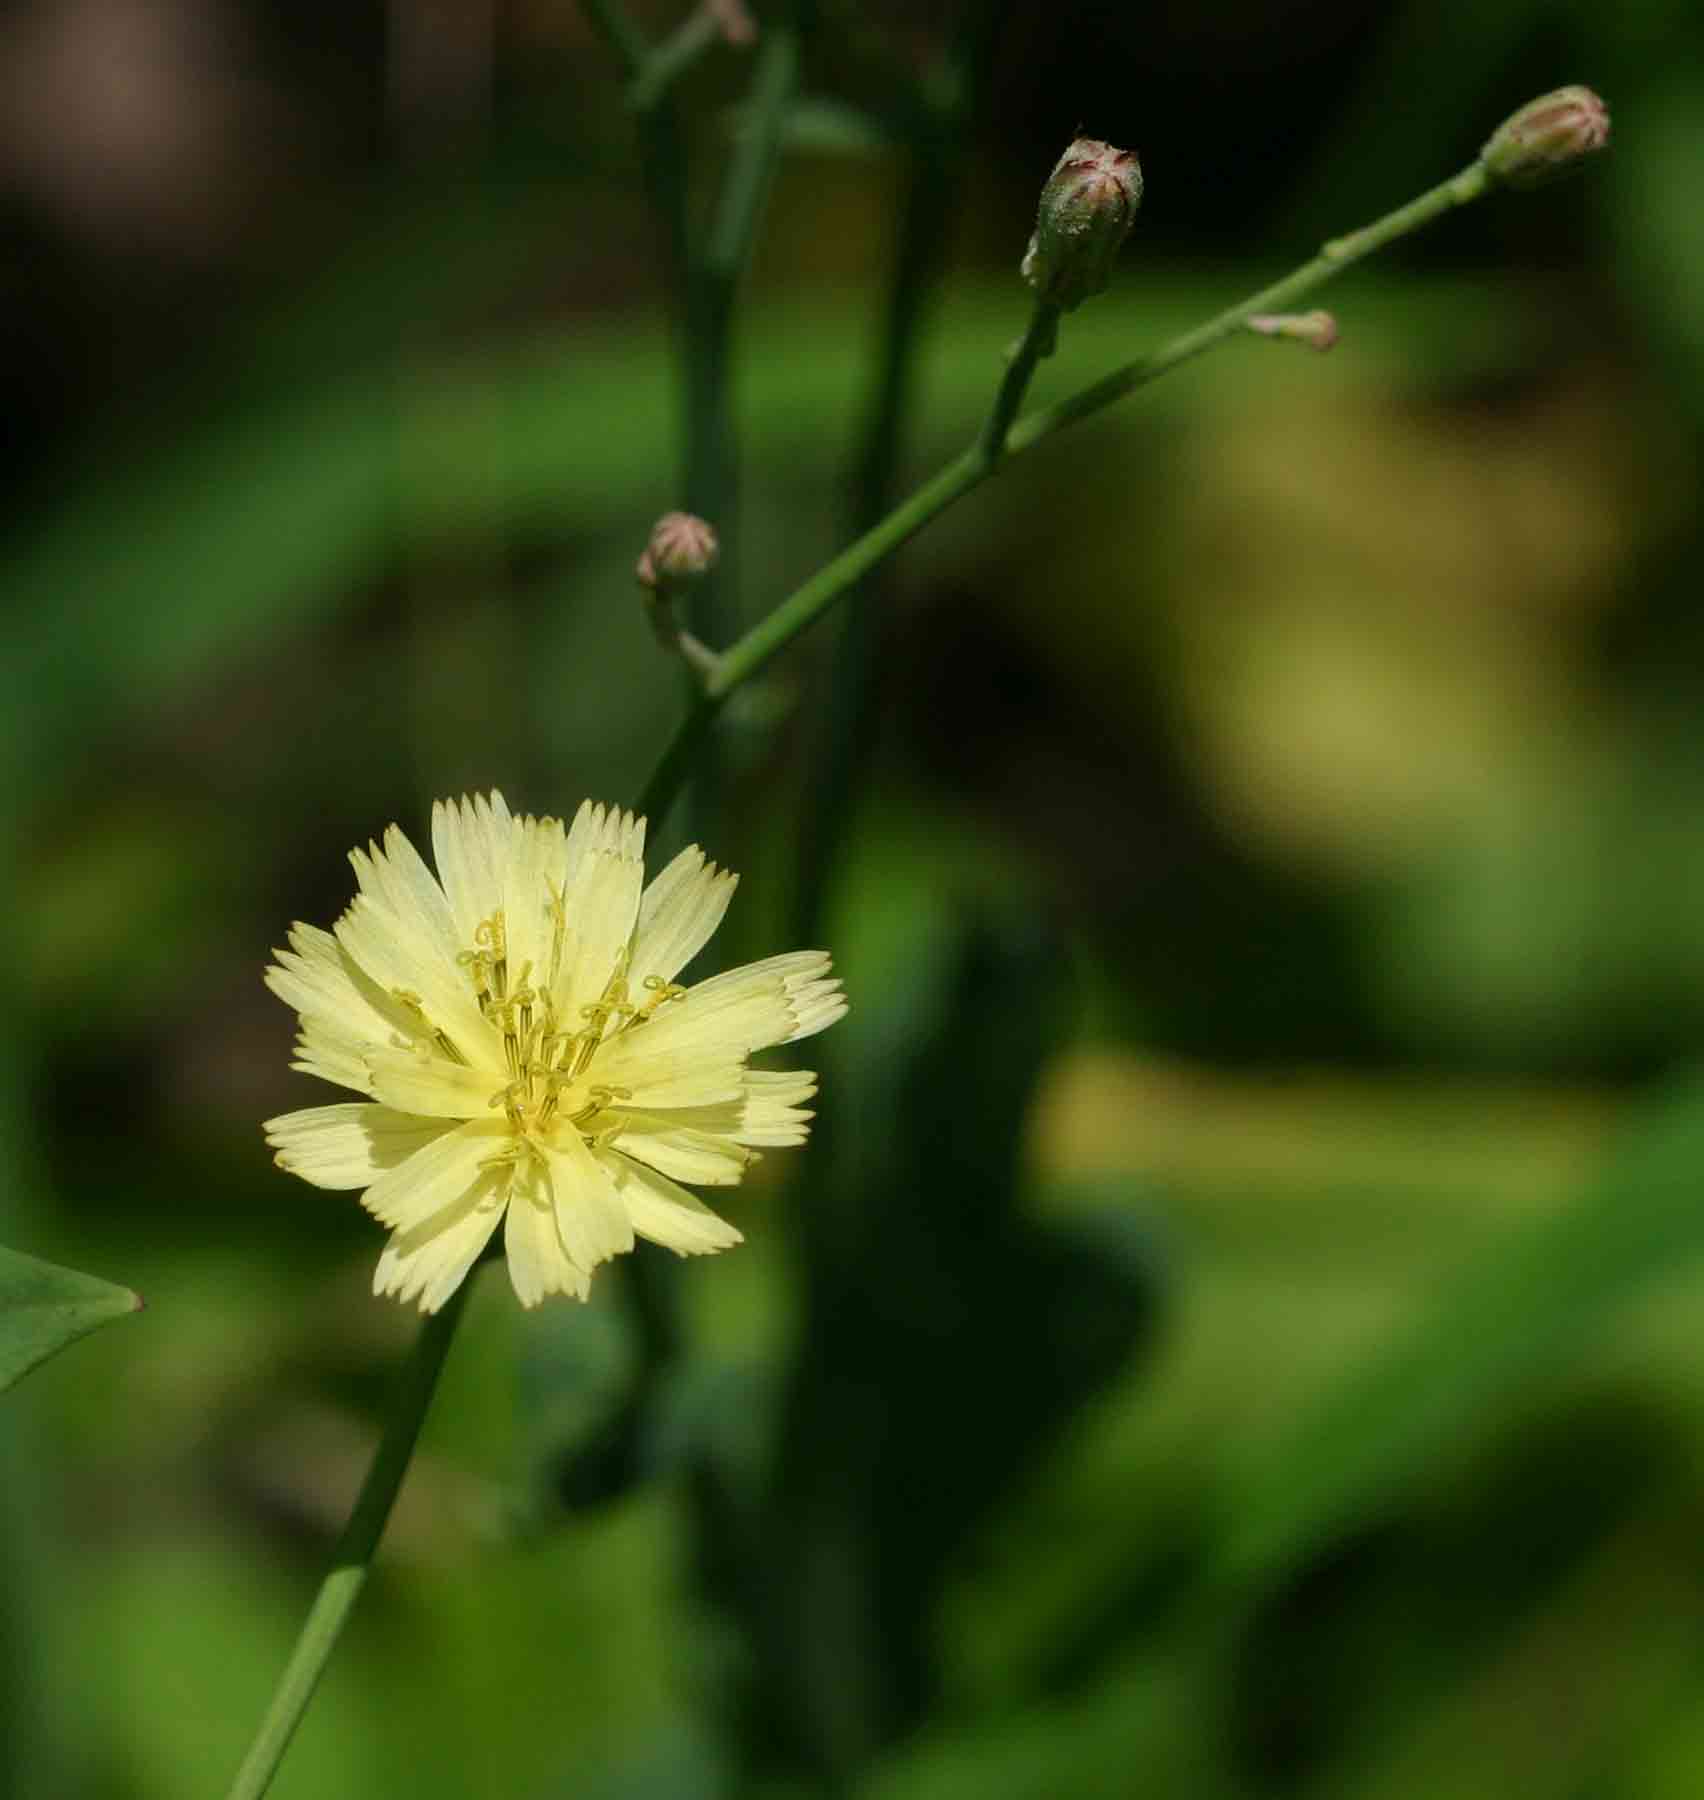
x=528 y=1054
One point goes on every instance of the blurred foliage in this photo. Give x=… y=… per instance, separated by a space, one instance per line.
x=1237 y=1328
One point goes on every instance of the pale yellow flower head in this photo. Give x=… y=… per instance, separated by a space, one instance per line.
x=527 y=1054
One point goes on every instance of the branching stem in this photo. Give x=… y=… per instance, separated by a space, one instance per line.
x=751 y=652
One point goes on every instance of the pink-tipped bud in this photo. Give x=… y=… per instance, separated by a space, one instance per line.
x=1318 y=330
x=1546 y=137
x=682 y=549
x=1087 y=209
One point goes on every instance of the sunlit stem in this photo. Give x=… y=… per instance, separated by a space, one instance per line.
x=352 y=1560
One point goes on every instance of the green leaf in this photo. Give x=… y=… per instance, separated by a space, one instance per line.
x=44 y=1307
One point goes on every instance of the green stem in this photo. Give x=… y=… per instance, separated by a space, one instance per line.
x=671 y=773
x=664 y=161
x=661 y=153
x=942 y=106
x=1340 y=254
x=802 y=607
x=1038 y=341
x=752 y=170
x=704 y=283
x=846 y=727
x=672 y=58
x=712 y=287
x=611 y=20
x=352 y=1560
x=747 y=655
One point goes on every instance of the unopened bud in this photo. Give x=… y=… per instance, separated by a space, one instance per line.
x=1318 y=330
x=682 y=549
x=1546 y=137
x=1087 y=209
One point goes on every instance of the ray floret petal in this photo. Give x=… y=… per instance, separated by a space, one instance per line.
x=525 y=1055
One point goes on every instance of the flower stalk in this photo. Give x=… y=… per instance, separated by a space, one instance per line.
x=352 y=1559
x=942 y=102
x=683 y=549
x=1036 y=343
x=712 y=287
x=1086 y=210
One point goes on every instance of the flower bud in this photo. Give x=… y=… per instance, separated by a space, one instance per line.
x=1546 y=137
x=1087 y=209
x=1318 y=330
x=682 y=550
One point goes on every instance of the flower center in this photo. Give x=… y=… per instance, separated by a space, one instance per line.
x=548 y=1058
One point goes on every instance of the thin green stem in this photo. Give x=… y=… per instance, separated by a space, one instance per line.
x=704 y=280
x=806 y=604
x=847 y=731
x=672 y=58
x=665 y=182
x=752 y=170
x=712 y=287
x=671 y=772
x=1340 y=254
x=352 y=1559
x=1037 y=342
x=941 y=105
x=617 y=27
x=748 y=654
x=661 y=151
